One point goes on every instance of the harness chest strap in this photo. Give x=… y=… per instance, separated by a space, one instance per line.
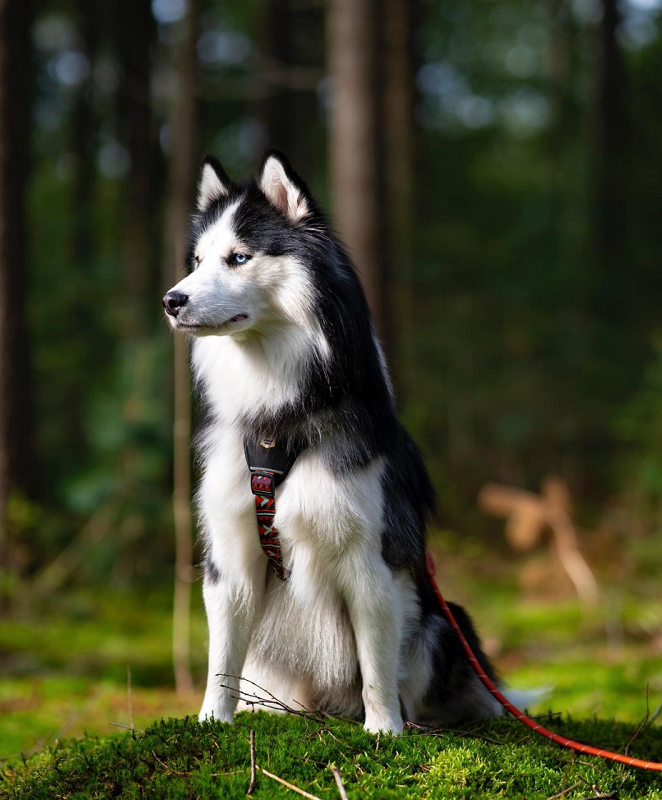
x=269 y=463
x=263 y=486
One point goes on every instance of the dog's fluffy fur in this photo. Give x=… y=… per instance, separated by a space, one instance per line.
x=284 y=347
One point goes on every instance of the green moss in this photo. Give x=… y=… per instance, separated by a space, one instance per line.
x=181 y=759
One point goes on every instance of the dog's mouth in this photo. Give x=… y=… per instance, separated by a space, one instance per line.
x=193 y=326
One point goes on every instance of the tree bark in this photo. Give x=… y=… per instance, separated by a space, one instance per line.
x=84 y=144
x=558 y=79
x=135 y=23
x=400 y=155
x=357 y=145
x=278 y=99
x=611 y=191
x=399 y=120
x=17 y=467
x=292 y=46
x=183 y=167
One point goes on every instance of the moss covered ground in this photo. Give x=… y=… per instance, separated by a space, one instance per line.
x=65 y=692
x=182 y=759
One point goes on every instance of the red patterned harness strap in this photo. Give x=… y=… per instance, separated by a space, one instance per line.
x=263 y=486
x=269 y=462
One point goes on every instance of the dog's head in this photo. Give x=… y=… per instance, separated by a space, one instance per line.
x=246 y=254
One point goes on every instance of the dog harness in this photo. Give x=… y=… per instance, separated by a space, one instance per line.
x=269 y=463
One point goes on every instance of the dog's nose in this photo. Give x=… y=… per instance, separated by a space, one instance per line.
x=173 y=301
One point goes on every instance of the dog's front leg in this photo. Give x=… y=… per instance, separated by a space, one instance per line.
x=232 y=605
x=374 y=609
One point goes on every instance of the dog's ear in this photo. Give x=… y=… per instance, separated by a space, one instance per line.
x=283 y=188
x=214 y=183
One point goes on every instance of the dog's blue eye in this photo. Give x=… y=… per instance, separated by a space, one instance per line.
x=238 y=258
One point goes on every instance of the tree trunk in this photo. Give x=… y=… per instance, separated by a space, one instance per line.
x=356 y=144
x=292 y=43
x=277 y=104
x=399 y=128
x=558 y=80
x=135 y=23
x=182 y=185
x=611 y=190
x=84 y=145
x=17 y=468
x=81 y=245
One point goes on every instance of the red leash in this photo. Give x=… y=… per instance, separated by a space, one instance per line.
x=530 y=723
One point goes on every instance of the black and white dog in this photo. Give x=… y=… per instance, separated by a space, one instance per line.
x=284 y=348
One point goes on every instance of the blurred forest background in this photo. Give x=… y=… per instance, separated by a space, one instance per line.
x=495 y=167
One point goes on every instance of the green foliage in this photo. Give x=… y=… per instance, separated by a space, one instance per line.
x=181 y=759
x=518 y=348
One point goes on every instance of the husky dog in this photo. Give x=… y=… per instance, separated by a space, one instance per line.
x=284 y=348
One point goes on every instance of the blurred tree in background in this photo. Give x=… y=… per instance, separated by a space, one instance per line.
x=494 y=167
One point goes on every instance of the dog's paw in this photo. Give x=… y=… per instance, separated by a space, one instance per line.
x=381 y=723
x=210 y=712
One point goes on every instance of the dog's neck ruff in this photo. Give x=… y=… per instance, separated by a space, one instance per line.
x=269 y=462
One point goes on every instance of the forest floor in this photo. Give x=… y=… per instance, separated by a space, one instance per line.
x=181 y=759
x=94 y=661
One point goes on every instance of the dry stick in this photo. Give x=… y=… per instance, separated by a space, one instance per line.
x=170 y=769
x=286 y=783
x=565 y=791
x=177 y=772
x=261 y=688
x=436 y=732
x=655 y=714
x=610 y=796
x=251 y=785
x=642 y=725
x=321 y=731
x=126 y=727
x=264 y=701
x=129 y=692
x=255 y=700
x=339 y=784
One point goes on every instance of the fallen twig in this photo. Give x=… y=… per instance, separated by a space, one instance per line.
x=320 y=735
x=287 y=783
x=251 y=785
x=642 y=725
x=129 y=693
x=339 y=783
x=170 y=769
x=655 y=714
x=126 y=727
x=272 y=702
x=178 y=772
x=457 y=732
x=565 y=791
x=610 y=796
